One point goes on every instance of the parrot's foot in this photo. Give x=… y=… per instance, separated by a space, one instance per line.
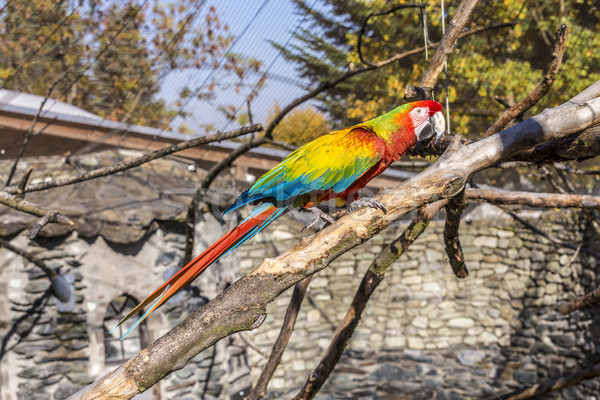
x=319 y=215
x=366 y=202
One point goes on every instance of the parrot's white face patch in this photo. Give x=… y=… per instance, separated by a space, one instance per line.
x=425 y=126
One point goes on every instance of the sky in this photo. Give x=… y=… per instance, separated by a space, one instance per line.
x=253 y=24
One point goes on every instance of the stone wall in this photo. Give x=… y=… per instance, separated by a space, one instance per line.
x=425 y=334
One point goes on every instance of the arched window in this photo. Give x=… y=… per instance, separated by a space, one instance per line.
x=115 y=349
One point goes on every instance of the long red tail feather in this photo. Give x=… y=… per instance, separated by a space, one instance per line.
x=244 y=231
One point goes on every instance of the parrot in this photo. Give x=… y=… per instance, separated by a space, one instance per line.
x=333 y=166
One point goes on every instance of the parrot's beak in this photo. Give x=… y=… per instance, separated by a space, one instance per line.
x=433 y=127
x=439 y=124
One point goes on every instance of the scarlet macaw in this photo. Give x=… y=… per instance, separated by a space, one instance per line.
x=332 y=166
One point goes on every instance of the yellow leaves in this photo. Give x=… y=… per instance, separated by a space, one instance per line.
x=6 y=72
x=300 y=125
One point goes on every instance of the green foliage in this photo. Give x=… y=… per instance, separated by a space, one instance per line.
x=504 y=64
x=109 y=58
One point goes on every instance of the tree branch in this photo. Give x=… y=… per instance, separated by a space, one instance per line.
x=554 y=384
x=372 y=278
x=260 y=389
x=33 y=209
x=578 y=146
x=454 y=210
x=580 y=302
x=59 y=286
x=544 y=200
x=125 y=165
x=540 y=91
x=446 y=45
x=244 y=302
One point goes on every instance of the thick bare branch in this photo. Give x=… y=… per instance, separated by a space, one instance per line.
x=446 y=45
x=540 y=91
x=454 y=210
x=578 y=146
x=544 y=200
x=125 y=165
x=260 y=389
x=371 y=279
x=554 y=384
x=580 y=302
x=241 y=304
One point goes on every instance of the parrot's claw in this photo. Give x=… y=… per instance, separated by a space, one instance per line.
x=319 y=215
x=366 y=202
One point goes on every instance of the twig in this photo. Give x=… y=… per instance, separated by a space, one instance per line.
x=30 y=133
x=23 y=183
x=554 y=384
x=260 y=389
x=279 y=143
x=363 y=28
x=33 y=209
x=372 y=278
x=124 y=165
x=253 y=347
x=454 y=210
x=540 y=232
x=545 y=200
x=580 y=302
x=542 y=88
x=29 y=257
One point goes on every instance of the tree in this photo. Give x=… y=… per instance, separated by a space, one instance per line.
x=300 y=126
x=110 y=58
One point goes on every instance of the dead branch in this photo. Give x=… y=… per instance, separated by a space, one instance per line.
x=542 y=88
x=260 y=389
x=578 y=146
x=33 y=209
x=446 y=45
x=554 y=384
x=454 y=210
x=580 y=302
x=125 y=165
x=372 y=278
x=543 y=200
x=243 y=303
